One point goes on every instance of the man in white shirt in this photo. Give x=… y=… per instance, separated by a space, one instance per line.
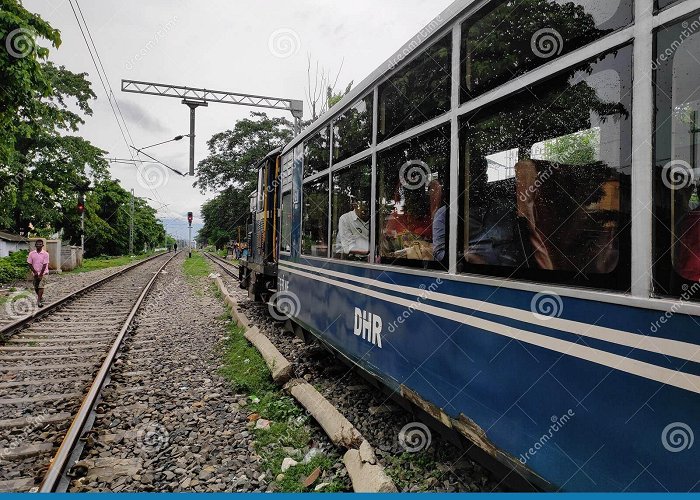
x=353 y=231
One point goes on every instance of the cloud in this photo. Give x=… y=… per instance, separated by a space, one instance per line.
x=140 y=117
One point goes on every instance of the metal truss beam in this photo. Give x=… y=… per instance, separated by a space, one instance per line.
x=296 y=107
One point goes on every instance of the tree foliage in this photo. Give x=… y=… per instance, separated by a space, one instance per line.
x=44 y=163
x=234 y=153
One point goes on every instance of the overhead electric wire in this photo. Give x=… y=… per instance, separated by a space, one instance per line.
x=109 y=93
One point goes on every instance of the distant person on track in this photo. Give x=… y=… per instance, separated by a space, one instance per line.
x=38 y=261
x=175 y=247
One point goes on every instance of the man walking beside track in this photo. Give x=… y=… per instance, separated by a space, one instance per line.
x=38 y=261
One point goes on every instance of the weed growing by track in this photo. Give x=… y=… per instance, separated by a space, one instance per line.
x=247 y=373
x=196 y=268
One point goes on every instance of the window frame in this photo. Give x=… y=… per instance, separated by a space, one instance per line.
x=641 y=32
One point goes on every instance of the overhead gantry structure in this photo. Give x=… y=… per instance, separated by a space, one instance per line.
x=194 y=98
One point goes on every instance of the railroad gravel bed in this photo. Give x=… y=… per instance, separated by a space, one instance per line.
x=168 y=420
x=441 y=467
x=45 y=370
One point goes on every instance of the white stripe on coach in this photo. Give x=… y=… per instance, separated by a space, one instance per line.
x=649 y=371
x=667 y=347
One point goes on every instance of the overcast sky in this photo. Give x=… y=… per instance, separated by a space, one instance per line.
x=242 y=46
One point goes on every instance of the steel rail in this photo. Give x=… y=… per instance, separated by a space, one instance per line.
x=59 y=463
x=8 y=330
x=218 y=260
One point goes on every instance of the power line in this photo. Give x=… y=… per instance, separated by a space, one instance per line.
x=109 y=93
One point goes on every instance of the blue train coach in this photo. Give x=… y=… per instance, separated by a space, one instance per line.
x=502 y=224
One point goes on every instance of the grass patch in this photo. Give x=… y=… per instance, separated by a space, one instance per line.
x=196 y=266
x=14 y=298
x=245 y=368
x=105 y=262
x=246 y=371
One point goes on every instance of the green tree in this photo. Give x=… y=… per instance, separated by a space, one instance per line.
x=21 y=72
x=234 y=153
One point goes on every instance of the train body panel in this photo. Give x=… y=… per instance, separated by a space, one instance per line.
x=493 y=259
x=582 y=412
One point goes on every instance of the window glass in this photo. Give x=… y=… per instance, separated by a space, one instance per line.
x=316 y=153
x=286 y=223
x=677 y=161
x=351 y=210
x=662 y=4
x=352 y=131
x=286 y=174
x=412 y=201
x=547 y=179
x=314 y=239
x=512 y=38
x=418 y=92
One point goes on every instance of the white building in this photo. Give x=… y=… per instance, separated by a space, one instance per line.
x=11 y=243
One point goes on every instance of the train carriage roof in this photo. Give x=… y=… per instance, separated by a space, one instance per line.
x=432 y=32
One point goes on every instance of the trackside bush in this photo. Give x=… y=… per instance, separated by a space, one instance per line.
x=14 y=267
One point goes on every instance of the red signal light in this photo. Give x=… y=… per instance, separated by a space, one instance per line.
x=189 y=217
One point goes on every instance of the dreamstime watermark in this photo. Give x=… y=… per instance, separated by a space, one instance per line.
x=547 y=43
x=33 y=423
x=677 y=437
x=284 y=43
x=688 y=293
x=13 y=183
x=547 y=305
x=414 y=174
x=415 y=437
x=19 y=305
x=425 y=295
x=678 y=174
x=558 y=424
x=20 y=43
x=284 y=305
x=152 y=437
x=689 y=29
x=152 y=176
x=542 y=178
x=151 y=43
x=423 y=35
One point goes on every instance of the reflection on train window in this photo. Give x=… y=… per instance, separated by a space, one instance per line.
x=316 y=153
x=418 y=92
x=314 y=238
x=352 y=131
x=412 y=201
x=351 y=198
x=512 y=38
x=286 y=223
x=662 y=4
x=547 y=177
x=677 y=160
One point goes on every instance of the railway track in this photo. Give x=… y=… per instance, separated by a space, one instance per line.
x=53 y=366
x=226 y=266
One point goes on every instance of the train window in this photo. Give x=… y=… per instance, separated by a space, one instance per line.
x=351 y=198
x=677 y=161
x=418 y=92
x=547 y=178
x=286 y=223
x=314 y=238
x=412 y=201
x=512 y=38
x=662 y=4
x=352 y=131
x=316 y=153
